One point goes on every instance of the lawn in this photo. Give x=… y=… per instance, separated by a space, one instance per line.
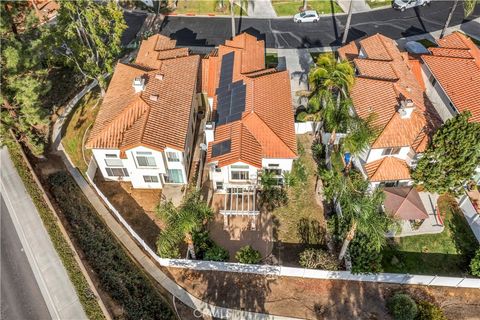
x=290 y=8
x=81 y=120
x=206 y=7
x=379 y=3
x=446 y=253
x=301 y=220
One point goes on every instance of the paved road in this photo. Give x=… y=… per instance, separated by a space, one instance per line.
x=284 y=33
x=21 y=296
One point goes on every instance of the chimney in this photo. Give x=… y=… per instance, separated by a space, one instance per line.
x=159 y=76
x=138 y=84
x=406 y=108
x=154 y=97
x=209 y=132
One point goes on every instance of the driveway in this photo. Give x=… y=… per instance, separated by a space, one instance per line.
x=284 y=33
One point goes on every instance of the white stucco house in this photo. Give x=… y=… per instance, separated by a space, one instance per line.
x=251 y=128
x=145 y=128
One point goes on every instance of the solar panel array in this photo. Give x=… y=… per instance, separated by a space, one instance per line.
x=230 y=96
x=221 y=148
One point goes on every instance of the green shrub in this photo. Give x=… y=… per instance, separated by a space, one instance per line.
x=475 y=264
x=429 y=311
x=301 y=116
x=118 y=275
x=248 y=255
x=85 y=295
x=318 y=259
x=216 y=253
x=402 y=307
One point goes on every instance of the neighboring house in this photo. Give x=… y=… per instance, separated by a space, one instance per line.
x=389 y=86
x=45 y=10
x=452 y=76
x=144 y=131
x=252 y=120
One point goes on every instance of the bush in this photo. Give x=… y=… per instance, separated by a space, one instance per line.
x=50 y=222
x=248 y=255
x=301 y=116
x=118 y=275
x=318 y=259
x=402 y=307
x=365 y=258
x=429 y=311
x=216 y=253
x=475 y=264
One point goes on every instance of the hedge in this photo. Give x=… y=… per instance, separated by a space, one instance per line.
x=117 y=273
x=86 y=296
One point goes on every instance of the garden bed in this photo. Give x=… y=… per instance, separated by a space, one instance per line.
x=446 y=253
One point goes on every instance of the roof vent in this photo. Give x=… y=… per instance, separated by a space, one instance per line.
x=154 y=97
x=159 y=76
x=406 y=108
x=138 y=84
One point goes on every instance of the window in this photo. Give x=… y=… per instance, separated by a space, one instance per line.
x=173 y=157
x=432 y=80
x=117 y=172
x=388 y=184
x=239 y=172
x=145 y=159
x=219 y=185
x=150 y=179
x=391 y=151
x=174 y=176
x=274 y=168
x=217 y=169
x=113 y=161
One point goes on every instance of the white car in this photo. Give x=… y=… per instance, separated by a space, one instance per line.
x=306 y=16
x=402 y=5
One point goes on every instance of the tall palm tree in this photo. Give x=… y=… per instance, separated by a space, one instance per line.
x=363 y=214
x=468 y=7
x=359 y=136
x=347 y=24
x=180 y=223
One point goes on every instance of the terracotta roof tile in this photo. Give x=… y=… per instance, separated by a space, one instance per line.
x=375 y=69
x=387 y=169
x=348 y=52
x=379 y=47
x=156 y=117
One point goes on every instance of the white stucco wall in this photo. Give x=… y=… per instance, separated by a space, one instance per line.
x=376 y=154
x=284 y=164
x=437 y=95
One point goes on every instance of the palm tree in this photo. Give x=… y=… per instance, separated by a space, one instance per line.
x=347 y=24
x=180 y=223
x=362 y=213
x=468 y=7
x=359 y=136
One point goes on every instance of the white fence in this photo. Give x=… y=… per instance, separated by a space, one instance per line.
x=281 y=271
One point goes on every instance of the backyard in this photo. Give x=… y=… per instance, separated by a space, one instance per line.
x=75 y=133
x=290 y=8
x=446 y=253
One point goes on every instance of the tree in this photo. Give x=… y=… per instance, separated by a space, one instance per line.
x=468 y=7
x=451 y=158
x=429 y=311
x=271 y=194
x=402 y=307
x=347 y=24
x=248 y=255
x=180 y=223
x=87 y=35
x=475 y=264
x=216 y=253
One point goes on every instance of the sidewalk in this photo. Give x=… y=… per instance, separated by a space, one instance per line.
x=261 y=9
x=57 y=290
x=357 y=5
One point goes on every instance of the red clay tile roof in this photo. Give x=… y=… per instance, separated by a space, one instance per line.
x=458 y=74
x=387 y=169
x=348 y=52
x=386 y=77
x=157 y=117
x=267 y=125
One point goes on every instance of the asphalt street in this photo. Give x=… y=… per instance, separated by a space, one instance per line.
x=284 y=33
x=21 y=296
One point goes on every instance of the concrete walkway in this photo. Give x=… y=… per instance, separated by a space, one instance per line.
x=261 y=9
x=357 y=5
x=198 y=306
x=57 y=290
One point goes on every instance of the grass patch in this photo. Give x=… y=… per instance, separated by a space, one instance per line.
x=207 y=7
x=301 y=220
x=290 y=8
x=271 y=60
x=427 y=43
x=118 y=275
x=379 y=3
x=83 y=117
x=446 y=253
x=86 y=296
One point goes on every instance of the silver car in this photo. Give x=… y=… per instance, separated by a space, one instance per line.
x=405 y=4
x=306 y=16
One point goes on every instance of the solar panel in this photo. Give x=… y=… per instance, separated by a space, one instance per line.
x=221 y=148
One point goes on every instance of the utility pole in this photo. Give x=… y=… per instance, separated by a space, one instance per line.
x=232 y=15
x=347 y=25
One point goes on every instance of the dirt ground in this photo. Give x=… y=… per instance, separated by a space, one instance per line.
x=136 y=206
x=314 y=298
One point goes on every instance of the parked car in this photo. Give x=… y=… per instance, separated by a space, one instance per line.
x=306 y=16
x=405 y=4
